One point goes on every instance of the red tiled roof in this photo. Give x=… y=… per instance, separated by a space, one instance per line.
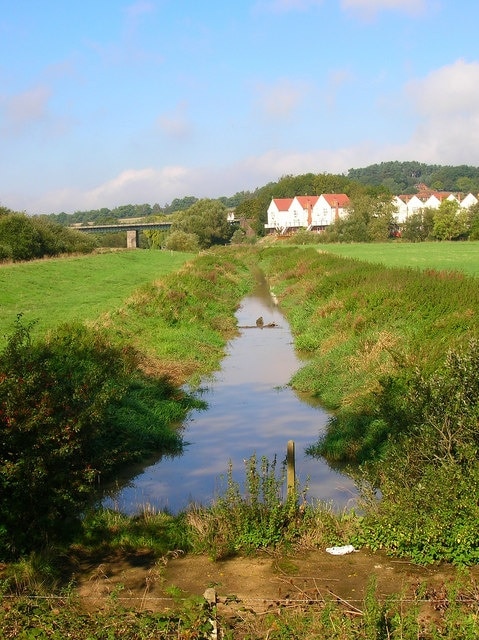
x=283 y=204
x=307 y=201
x=336 y=199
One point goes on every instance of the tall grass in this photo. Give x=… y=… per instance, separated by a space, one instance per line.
x=359 y=322
x=182 y=321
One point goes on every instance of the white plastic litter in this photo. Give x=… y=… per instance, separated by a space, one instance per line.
x=341 y=551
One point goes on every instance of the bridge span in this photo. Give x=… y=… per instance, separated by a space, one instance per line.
x=132 y=230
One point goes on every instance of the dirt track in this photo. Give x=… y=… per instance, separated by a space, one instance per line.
x=258 y=583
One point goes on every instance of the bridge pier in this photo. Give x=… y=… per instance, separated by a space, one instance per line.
x=132 y=239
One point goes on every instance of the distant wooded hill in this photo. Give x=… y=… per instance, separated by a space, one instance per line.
x=402 y=177
x=395 y=177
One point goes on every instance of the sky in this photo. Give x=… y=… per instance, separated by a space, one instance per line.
x=111 y=102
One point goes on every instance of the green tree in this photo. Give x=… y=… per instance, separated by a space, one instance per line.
x=181 y=241
x=20 y=236
x=207 y=220
x=450 y=221
x=413 y=229
x=473 y=221
x=465 y=184
x=181 y=204
x=155 y=238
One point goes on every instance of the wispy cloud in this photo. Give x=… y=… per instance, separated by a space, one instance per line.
x=127 y=48
x=337 y=79
x=26 y=109
x=176 y=124
x=370 y=8
x=139 y=8
x=284 y=6
x=279 y=100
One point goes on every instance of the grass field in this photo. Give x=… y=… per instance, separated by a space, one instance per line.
x=84 y=287
x=441 y=256
x=76 y=288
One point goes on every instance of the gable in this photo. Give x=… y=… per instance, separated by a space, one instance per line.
x=307 y=201
x=336 y=199
x=283 y=204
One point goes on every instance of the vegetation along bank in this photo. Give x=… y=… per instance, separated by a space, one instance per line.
x=392 y=353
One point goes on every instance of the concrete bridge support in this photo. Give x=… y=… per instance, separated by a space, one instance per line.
x=132 y=239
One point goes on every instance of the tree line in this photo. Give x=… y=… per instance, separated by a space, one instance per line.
x=393 y=178
x=25 y=237
x=202 y=223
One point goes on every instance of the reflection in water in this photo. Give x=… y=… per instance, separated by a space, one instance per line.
x=250 y=411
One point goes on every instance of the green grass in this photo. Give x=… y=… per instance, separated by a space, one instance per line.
x=77 y=288
x=440 y=256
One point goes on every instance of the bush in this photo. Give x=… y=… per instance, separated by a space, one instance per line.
x=54 y=397
x=28 y=238
x=429 y=477
x=21 y=236
x=181 y=241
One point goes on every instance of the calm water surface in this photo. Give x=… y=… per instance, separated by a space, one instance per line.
x=250 y=411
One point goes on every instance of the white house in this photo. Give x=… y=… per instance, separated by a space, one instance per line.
x=331 y=207
x=408 y=205
x=314 y=213
x=304 y=210
x=278 y=214
x=468 y=201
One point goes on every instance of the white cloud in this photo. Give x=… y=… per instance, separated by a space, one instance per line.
x=369 y=8
x=447 y=104
x=447 y=91
x=130 y=186
x=283 y=6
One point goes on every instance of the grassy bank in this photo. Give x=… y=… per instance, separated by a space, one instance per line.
x=83 y=399
x=358 y=322
x=77 y=288
x=394 y=354
x=182 y=322
x=462 y=257
x=366 y=331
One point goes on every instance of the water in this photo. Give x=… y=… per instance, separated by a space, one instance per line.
x=251 y=410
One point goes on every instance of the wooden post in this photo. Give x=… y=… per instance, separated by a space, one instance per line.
x=291 y=470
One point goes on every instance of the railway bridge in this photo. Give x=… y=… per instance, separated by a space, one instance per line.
x=132 y=230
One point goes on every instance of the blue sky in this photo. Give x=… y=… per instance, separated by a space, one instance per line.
x=109 y=102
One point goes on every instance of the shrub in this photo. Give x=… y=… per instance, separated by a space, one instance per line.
x=54 y=396
x=429 y=478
